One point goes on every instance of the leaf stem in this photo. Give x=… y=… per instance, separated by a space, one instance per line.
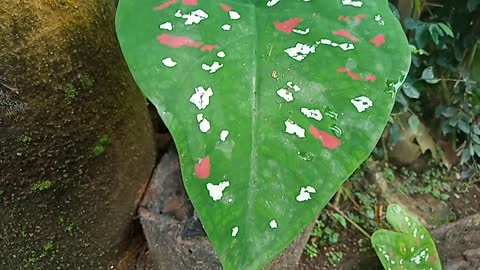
x=354 y=224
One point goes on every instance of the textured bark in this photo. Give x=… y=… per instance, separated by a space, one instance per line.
x=63 y=85
x=174 y=234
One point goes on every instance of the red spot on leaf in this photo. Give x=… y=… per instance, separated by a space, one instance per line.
x=165 y=5
x=329 y=141
x=190 y=2
x=350 y=73
x=289 y=25
x=202 y=169
x=226 y=8
x=344 y=18
x=177 y=41
x=378 y=40
x=371 y=78
x=431 y=259
x=209 y=48
x=359 y=17
x=346 y=34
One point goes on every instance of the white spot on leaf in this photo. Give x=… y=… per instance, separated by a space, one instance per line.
x=305 y=194
x=212 y=68
x=167 y=26
x=168 y=62
x=362 y=103
x=352 y=3
x=234 y=231
x=221 y=54
x=294 y=129
x=379 y=20
x=295 y=87
x=201 y=98
x=272 y=3
x=302 y=32
x=226 y=27
x=313 y=113
x=273 y=224
x=343 y=46
x=216 y=191
x=223 y=135
x=285 y=94
x=195 y=17
x=300 y=51
x=234 y=15
x=204 y=124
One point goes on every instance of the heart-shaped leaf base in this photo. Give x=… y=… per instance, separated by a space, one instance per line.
x=272 y=105
x=408 y=247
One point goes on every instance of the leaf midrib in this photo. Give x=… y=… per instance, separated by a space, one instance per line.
x=253 y=154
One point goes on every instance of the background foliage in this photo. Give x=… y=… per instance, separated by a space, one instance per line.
x=442 y=89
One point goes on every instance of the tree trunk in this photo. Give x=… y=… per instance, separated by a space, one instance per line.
x=76 y=140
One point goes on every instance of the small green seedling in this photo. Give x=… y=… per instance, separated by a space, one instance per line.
x=24 y=139
x=70 y=93
x=99 y=147
x=410 y=246
x=42 y=185
x=87 y=82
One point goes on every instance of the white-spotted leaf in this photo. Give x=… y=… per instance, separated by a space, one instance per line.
x=272 y=105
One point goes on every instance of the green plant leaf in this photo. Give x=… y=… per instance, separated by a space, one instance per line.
x=435 y=32
x=429 y=76
x=410 y=246
x=410 y=90
x=473 y=5
x=476 y=149
x=340 y=219
x=414 y=124
x=272 y=105
x=446 y=29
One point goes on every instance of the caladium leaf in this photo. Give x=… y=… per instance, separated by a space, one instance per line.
x=410 y=246
x=272 y=105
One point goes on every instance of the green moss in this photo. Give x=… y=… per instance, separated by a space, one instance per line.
x=70 y=93
x=87 y=82
x=100 y=146
x=48 y=247
x=25 y=139
x=42 y=185
x=72 y=229
x=98 y=150
x=104 y=140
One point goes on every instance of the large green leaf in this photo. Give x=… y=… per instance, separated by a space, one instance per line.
x=410 y=246
x=272 y=105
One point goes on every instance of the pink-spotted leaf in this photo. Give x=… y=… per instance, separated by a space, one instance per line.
x=272 y=105
x=410 y=246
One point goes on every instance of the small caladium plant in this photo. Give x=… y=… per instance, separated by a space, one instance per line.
x=272 y=105
x=408 y=247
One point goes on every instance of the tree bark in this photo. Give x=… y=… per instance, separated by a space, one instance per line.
x=76 y=143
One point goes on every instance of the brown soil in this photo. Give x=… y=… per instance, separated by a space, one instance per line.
x=82 y=220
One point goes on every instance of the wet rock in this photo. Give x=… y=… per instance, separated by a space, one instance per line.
x=458 y=244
